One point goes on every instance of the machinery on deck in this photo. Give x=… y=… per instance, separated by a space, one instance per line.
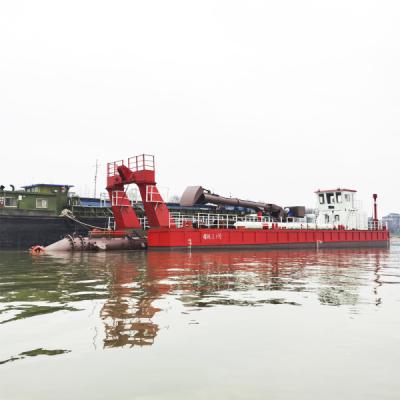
x=141 y=171
x=198 y=195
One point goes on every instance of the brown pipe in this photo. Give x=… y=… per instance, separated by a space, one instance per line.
x=198 y=195
x=231 y=201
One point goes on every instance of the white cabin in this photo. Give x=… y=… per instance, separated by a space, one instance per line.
x=340 y=207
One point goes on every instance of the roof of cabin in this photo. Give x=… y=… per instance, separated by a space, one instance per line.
x=46 y=185
x=335 y=190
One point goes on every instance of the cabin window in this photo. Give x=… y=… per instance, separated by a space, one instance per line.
x=41 y=203
x=338 y=197
x=10 y=202
x=326 y=218
x=330 y=198
x=337 y=218
x=321 y=199
x=347 y=197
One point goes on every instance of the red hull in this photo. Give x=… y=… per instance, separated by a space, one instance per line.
x=223 y=238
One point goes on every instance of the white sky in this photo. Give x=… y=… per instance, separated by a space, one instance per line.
x=265 y=100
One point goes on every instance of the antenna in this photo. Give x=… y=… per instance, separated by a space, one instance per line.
x=95 y=177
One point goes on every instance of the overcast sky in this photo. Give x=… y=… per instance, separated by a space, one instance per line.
x=265 y=100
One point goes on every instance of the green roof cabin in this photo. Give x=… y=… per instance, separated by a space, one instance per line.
x=38 y=199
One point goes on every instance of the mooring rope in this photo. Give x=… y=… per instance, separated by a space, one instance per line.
x=68 y=214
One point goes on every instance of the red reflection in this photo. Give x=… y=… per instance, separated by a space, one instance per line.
x=138 y=280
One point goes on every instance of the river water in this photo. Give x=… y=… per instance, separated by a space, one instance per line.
x=299 y=324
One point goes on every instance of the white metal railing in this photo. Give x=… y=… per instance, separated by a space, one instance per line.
x=156 y=194
x=153 y=195
x=143 y=162
x=111 y=223
x=112 y=167
x=377 y=225
x=119 y=198
x=205 y=220
x=144 y=223
x=104 y=199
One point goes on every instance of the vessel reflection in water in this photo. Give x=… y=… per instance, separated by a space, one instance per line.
x=132 y=290
x=178 y=325
x=128 y=312
x=139 y=284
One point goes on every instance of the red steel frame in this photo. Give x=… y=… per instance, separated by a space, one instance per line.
x=141 y=171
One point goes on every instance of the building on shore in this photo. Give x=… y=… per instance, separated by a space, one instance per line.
x=393 y=222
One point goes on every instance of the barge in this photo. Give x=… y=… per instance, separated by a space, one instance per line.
x=33 y=214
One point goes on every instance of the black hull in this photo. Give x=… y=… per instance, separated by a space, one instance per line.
x=22 y=232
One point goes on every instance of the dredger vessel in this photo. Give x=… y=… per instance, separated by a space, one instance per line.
x=338 y=220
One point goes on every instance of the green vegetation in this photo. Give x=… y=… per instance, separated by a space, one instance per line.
x=34 y=353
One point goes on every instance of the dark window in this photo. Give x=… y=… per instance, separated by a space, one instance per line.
x=330 y=198
x=10 y=202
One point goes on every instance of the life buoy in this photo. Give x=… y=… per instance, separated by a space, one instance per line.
x=36 y=250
